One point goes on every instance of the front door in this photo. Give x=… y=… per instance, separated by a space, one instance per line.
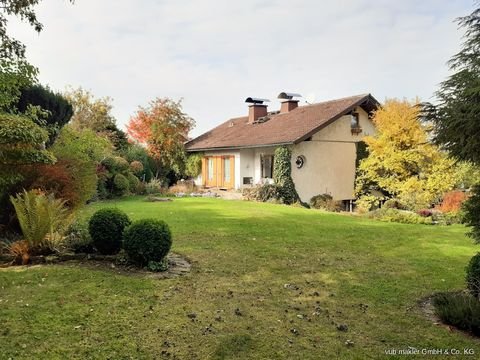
x=219 y=171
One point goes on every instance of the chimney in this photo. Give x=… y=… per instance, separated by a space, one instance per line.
x=256 y=109
x=288 y=103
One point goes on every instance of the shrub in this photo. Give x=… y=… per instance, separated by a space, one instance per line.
x=325 y=202
x=116 y=164
x=157 y=266
x=183 y=186
x=133 y=182
x=136 y=167
x=473 y=276
x=394 y=204
x=20 y=250
x=452 y=201
x=78 y=239
x=154 y=186
x=193 y=165
x=102 y=192
x=453 y=218
x=147 y=241
x=458 y=309
x=72 y=180
x=264 y=193
x=399 y=216
x=42 y=219
x=446 y=218
x=268 y=192
x=367 y=203
x=249 y=193
x=106 y=229
x=471 y=218
x=140 y=189
x=424 y=212
x=121 y=184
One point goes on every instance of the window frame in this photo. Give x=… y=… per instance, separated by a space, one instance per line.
x=263 y=168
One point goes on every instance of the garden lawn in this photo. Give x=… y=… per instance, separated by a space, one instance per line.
x=293 y=274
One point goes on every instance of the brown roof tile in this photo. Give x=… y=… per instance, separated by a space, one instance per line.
x=286 y=128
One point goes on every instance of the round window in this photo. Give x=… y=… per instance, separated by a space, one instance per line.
x=300 y=161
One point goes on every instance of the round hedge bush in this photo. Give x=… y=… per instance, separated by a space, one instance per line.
x=473 y=276
x=147 y=240
x=106 y=229
x=121 y=184
x=132 y=182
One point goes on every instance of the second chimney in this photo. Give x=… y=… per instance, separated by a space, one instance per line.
x=288 y=103
x=256 y=109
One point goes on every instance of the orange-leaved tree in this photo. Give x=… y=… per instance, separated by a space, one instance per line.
x=163 y=128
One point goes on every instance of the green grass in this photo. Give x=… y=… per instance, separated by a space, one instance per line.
x=366 y=274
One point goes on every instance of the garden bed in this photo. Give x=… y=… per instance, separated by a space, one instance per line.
x=428 y=309
x=177 y=264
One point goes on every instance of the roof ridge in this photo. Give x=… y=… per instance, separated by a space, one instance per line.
x=340 y=99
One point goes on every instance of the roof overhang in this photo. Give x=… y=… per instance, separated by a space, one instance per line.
x=368 y=103
x=238 y=147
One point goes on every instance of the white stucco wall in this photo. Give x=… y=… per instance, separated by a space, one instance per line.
x=330 y=159
x=340 y=130
x=247 y=164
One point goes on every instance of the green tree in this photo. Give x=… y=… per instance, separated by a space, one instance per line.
x=472 y=213
x=456 y=116
x=14 y=75
x=58 y=109
x=84 y=144
x=401 y=163
x=95 y=114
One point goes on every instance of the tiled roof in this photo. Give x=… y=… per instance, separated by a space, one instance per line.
x=286 y=128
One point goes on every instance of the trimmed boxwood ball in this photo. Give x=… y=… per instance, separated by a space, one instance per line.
x=473 y=276
x=106 y=228
x=147 y=240
x=121 y=184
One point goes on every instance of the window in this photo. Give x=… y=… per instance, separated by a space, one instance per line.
x=355 y=124
x=226 y=169
x=210 y=168
x=267 y=166
x=355 y=121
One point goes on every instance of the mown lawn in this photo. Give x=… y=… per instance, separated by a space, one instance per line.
x=340 y=269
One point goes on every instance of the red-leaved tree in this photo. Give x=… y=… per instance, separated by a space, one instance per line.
x=163 y=128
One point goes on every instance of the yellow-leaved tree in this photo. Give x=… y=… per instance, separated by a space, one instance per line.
x=401 y=161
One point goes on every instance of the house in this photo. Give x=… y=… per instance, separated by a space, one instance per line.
x=323 y=137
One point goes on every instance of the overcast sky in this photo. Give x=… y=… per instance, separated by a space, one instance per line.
x=214 y=54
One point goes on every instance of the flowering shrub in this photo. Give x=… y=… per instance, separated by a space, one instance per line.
x=452 y=201
x=424 y=212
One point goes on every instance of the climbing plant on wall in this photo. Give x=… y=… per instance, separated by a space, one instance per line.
x=282 y=175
